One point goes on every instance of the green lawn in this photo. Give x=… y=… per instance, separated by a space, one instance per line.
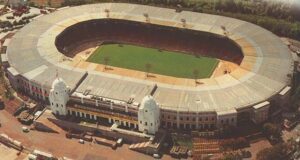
x=174 y=64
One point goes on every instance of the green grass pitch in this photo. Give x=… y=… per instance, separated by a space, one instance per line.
x=168 y=63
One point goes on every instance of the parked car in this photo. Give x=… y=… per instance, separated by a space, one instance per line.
x=25 y=129
x=156 y=156
x=81 y=141
x=120 y=141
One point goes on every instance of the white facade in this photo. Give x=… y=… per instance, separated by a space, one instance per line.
x=149 y=115
x=261 y=112
x=227 y=118
x=59 y=96
x=17 y=3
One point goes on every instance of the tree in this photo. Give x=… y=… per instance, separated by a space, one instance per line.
x=148 y=67
x=106 y=61
x=277 y=152
x=224 y=30
x=146 y=15
x=270 y=129
x=196 y=75
x=183 y=22
x=107 y=12
x=234 y=143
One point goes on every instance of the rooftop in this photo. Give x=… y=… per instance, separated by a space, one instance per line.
x=262 y=74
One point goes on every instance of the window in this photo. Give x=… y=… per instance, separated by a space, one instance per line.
x=56 y=105
x=146 y=110
x=168 y=117
x=140 y=122
x=232 y=120
x=151 y=124
x=52 y=104
x=194 y=119
x=62 y=105
x=200 y=119
x=187 y=118
x=146 y=124
x=206 y=119
x=175 y=117
x=181 y=118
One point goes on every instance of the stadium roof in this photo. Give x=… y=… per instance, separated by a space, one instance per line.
x=262 y=73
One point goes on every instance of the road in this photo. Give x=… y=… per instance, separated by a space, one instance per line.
x=58 y=145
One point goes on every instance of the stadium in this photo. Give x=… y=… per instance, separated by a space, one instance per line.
x=183 y=51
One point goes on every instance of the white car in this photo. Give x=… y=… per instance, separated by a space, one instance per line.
x=157 y=156
x=81 y=141
x=25 y=129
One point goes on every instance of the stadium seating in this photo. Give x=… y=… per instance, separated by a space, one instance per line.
x=148 y=35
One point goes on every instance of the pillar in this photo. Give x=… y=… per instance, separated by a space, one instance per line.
x=82 y=100
x=177 y=120
x=111 y=106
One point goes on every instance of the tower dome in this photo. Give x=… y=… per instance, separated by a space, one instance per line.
x=59 y=84
x=149 y=115
x=148 y=103
x=59 y=96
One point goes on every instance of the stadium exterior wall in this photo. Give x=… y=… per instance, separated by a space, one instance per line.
x=169 y=118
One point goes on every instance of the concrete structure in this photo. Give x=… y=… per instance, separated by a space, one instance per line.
x=16 y=3
x=227 y=118
x=4 y=61
x=59 y=96
x=149 y=115
x=261 y=112
x=100 y=96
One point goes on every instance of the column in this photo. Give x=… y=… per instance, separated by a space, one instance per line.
x=30 y=87
x=111 y=106
x=82 y=100
x=177 y=120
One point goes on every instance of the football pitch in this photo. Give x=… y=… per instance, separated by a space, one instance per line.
x=152 y=60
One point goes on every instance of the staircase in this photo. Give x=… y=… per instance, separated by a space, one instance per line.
x=140 y=147
x=152 y=146
x=205 y=146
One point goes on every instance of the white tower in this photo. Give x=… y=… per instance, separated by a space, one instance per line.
x=58 y=97
x=149 y=115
